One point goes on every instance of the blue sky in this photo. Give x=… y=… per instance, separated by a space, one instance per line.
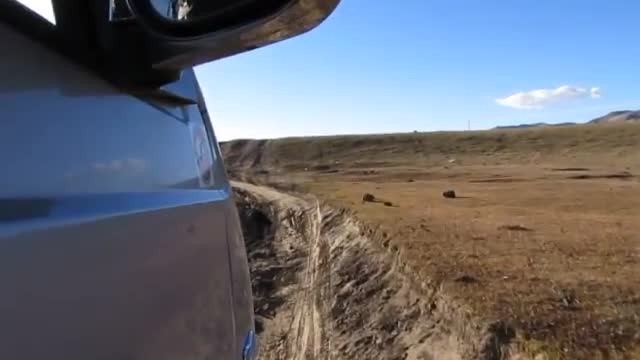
x=395 y=66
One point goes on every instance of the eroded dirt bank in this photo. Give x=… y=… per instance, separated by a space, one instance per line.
x=327 y=288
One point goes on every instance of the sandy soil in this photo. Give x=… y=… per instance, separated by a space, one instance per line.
x=326 y=290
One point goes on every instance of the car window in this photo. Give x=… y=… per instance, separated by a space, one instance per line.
x=44 y=8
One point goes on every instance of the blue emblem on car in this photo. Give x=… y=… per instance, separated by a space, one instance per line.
x=249 y=347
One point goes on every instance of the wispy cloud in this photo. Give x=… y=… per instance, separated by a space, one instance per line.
x=119 y=167
x=115 y=166
x=539 y=98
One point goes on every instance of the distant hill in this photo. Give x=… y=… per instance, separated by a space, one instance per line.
x=618 y=116
x=534 y=125
x=586 y=142
x=615 y=116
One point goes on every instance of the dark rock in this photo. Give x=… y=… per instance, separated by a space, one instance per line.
x=449 y=194
x=514 y=228
x=368 y=197
x=466 y=279
x=568 y=298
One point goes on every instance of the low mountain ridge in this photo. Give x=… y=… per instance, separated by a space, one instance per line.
x=534 y=125
x=614 y=116
x=618 y=116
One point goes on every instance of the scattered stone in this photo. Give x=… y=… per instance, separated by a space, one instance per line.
x=449 y=194
x=567 y=298
x=388 y=203
x=514 y=228
x=410 y=180
x=368 y=198
x=466 y=279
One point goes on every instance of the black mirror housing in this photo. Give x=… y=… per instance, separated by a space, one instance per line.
x=183 y=19
x=155 y=47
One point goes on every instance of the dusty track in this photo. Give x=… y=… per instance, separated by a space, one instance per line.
x=307 y=330
x=326 y=290
x=295 y=331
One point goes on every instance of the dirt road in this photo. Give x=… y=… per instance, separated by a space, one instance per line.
x=291 y=328
x=326 y=288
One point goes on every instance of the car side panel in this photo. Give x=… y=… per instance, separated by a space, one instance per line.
x=113 y=243
x=240 y=275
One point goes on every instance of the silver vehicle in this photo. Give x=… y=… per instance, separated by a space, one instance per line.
x=118 y=236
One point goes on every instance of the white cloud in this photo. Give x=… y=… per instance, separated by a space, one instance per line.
x=110 y=166
x=536 y=99
x=130 y=165
x=135 y=164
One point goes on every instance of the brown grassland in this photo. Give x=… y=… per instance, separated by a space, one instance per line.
x=544 y=233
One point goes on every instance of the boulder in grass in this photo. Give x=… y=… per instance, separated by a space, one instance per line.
x=449 y=194
x=368 y=198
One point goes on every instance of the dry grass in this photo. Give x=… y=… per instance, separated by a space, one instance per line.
x=547 y=221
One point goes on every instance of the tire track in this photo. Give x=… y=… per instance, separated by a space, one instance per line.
x=307 y=329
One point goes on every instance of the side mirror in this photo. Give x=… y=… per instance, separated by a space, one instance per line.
x=166 y=36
